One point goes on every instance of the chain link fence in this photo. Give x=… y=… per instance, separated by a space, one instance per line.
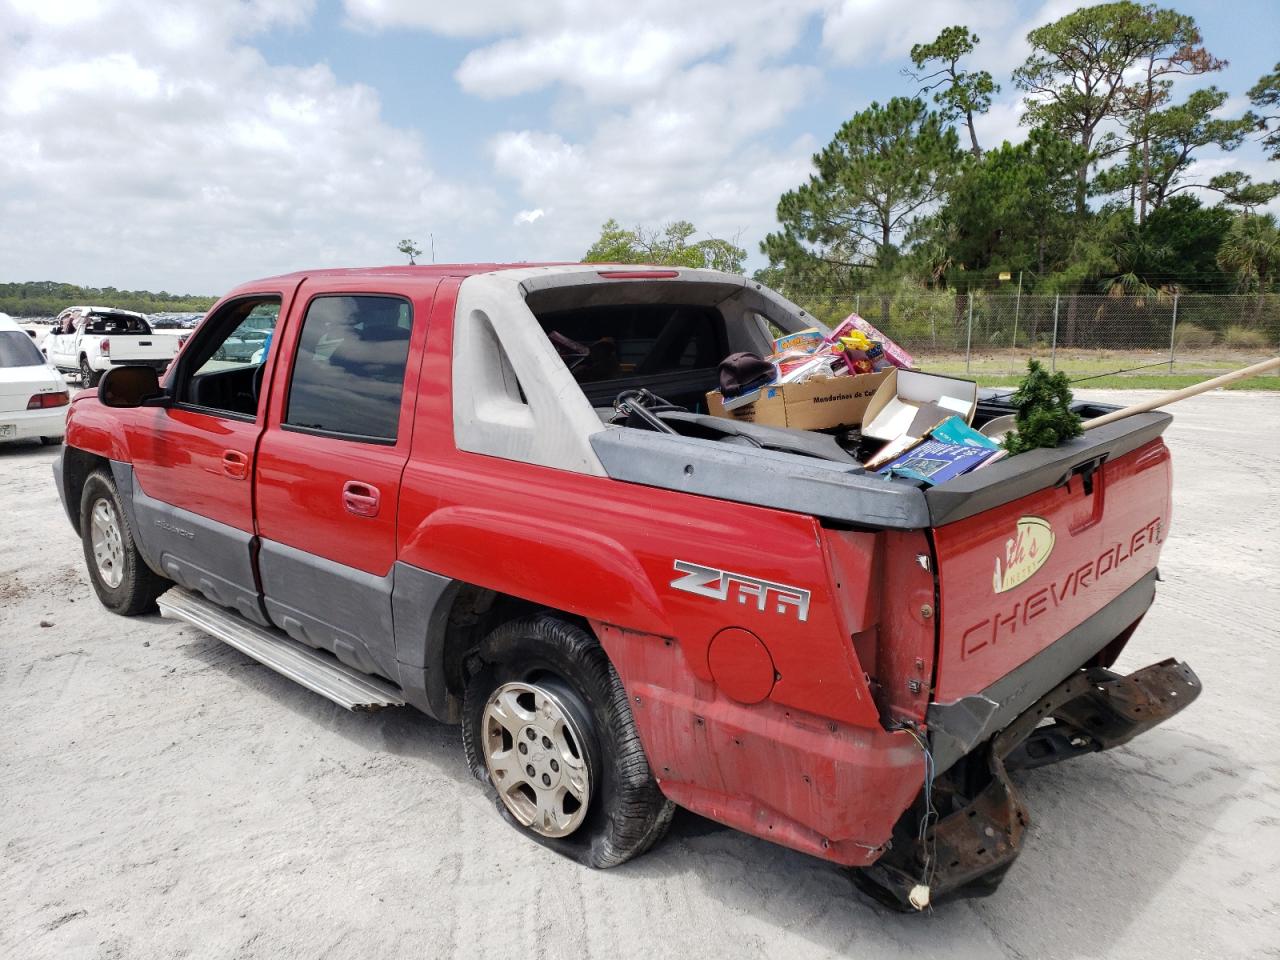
x=992 y=333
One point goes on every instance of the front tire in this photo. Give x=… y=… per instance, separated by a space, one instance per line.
x=121 y=578
x=583 y=785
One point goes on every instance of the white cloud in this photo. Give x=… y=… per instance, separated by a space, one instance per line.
x=695 y=155
x=529 y=216
x=663 y=110
x=880 y=30
x=149 y=145
x=1000 y=123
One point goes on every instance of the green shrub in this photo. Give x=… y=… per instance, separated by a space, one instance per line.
x=1245 y=338
x=1189 y=336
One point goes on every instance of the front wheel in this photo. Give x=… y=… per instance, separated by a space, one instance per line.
x=121 y=578
x=547 y=727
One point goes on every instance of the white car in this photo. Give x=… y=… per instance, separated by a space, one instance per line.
x=33 y=395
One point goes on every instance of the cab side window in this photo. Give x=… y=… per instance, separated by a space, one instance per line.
x=348 y=373
x=221 y=369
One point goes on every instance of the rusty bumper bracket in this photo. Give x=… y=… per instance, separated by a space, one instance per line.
x=967 y=850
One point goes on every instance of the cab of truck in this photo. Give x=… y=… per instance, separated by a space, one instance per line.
x=495 y=494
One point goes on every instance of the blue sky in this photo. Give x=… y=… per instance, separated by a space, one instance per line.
x=193 y=145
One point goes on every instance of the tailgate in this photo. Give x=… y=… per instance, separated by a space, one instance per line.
x=138 y=346
x=1019 y=575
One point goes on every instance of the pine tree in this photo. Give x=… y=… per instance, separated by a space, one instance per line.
x=1045 y=417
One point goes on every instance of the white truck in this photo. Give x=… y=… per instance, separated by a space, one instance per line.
x=91 y=340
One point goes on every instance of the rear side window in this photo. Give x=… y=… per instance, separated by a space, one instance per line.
x=628 y=340
x=17 y=350
x=119 y=323
x=348 y=375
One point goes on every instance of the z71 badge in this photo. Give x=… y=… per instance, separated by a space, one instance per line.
x=719 y=584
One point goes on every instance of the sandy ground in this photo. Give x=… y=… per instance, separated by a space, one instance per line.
x=161 y=795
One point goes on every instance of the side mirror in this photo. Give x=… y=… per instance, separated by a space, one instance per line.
x=131 y=387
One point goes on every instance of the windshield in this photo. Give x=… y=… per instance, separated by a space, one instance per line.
x=17 y=350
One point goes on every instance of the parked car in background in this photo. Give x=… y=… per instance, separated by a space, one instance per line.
x=168 y=321
x=33 y=395
x=91 y=340
x=247 y=344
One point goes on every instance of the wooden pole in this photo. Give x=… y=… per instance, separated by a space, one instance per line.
x=1167 y=398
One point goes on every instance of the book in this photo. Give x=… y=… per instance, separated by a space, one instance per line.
x=955 y=430
x=935 y=461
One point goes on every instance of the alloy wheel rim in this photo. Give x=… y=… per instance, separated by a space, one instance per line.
x=536 y=757
x=107 y=544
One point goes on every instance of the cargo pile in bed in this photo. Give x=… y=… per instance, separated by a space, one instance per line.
x=850 y=396
x=835 y=424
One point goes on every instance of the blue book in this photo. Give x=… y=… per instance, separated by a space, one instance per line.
x=935 y=462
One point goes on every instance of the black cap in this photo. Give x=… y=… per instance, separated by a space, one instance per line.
x=740 y=372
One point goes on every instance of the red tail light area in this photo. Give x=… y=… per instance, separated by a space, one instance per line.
x=43 y=400
x=105 y=346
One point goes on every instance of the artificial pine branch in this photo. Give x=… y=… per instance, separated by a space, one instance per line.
x=1044 y=418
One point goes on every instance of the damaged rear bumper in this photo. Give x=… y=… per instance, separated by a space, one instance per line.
x=967 y=842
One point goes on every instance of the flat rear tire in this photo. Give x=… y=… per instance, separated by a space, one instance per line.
x=547 y=728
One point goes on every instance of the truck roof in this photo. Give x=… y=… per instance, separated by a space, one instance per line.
x=420 y=270
x=425 y=271
x=89 y=309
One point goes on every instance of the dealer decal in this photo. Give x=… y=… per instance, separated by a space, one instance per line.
x=1024 y=553
x=720 y=584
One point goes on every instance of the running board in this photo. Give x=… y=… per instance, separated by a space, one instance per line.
x=314 y=669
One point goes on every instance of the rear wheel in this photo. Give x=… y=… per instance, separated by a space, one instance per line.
x=547 y=726
x=89 y=377
x=121 y=578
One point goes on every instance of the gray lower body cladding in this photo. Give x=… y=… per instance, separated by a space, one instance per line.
x=212 y=558
x=392 y=626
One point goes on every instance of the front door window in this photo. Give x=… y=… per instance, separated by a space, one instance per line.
x=222 y=367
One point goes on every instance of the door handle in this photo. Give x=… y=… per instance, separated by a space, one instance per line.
x=235 y=464
x=361 y=499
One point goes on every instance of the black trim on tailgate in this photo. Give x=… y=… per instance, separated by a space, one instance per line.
x=1015 y=477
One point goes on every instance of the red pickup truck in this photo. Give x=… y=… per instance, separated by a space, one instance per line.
x=422 y=491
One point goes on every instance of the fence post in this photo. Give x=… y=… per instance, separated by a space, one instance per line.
x=1017 y=306
x=1173 y=327
x=857 y=304
x=968 y=341
x=1053 y=351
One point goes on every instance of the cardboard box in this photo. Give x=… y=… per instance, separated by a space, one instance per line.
x=913 y=403
x=815 y=405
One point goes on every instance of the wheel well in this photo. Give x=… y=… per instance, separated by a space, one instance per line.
x=474 y=613
x=76 y=466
